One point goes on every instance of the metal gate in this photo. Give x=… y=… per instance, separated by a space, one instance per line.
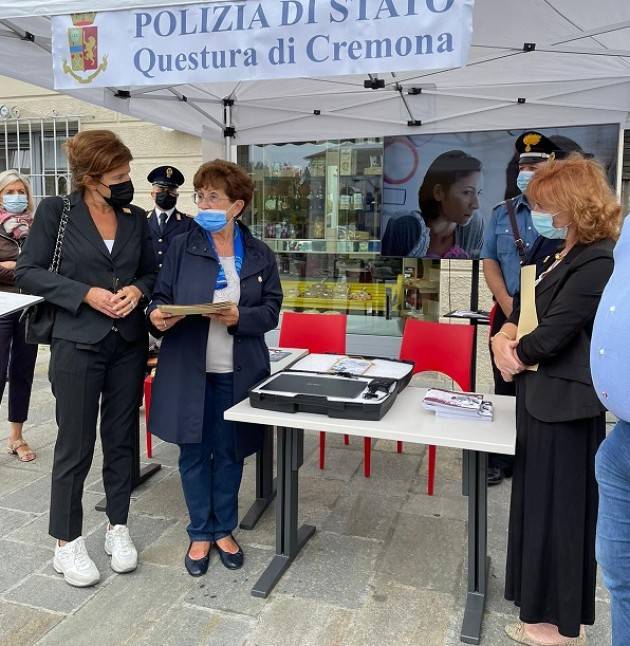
x=34 y=148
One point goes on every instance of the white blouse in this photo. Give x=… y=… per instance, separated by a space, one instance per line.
x=220 y=343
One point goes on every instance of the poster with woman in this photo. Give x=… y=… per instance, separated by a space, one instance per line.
x=439 y=189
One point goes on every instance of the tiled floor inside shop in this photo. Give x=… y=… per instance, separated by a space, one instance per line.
x=385 y=567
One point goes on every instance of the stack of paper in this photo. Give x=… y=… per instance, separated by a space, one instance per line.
x=454 y=404
x=203 y=308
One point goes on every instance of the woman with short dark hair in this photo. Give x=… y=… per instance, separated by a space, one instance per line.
x=99 y=340
x=207 y=364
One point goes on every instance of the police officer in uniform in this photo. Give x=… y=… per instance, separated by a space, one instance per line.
x=165 y=221
x=508 y=241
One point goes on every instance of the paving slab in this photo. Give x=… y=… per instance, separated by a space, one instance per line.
x=421 y=504
x=364 y=515
x=401 y=615
x=52 y=594
x=12 y=478
x=338 y=569
x=11 y=520
x=33 y=497
x=340 y=464
x=288 y=621
x=425 y=553
x=18 y=561
x=24 y=626
x=123 y=611
x=190 y=626
x=164 y=499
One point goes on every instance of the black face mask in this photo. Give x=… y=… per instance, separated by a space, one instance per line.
x=122 y=194
x=165 y=200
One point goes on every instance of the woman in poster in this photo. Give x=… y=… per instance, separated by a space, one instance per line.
x=448 y=223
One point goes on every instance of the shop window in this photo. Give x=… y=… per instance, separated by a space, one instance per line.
x=318 y=206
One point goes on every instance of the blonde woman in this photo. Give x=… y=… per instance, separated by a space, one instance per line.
x=17 y=358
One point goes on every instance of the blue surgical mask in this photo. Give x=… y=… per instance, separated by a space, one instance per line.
x=14 y=203
x=523 y=179
x=212 y=220
x=543 y=223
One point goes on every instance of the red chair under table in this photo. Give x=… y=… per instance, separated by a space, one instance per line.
x=319 y=334
x=439 y=347
x=148 y=383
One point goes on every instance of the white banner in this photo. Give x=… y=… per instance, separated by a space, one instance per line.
x=232 y=41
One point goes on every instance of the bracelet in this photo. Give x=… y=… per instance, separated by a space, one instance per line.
x=502 y=333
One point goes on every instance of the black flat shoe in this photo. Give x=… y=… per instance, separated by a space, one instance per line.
x=495 y=476
x=196 y=567
x=231 y=561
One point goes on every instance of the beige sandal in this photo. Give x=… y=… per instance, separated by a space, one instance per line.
x=26 y=455
x=518 y=634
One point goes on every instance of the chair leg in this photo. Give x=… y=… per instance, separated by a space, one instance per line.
x=431 y=480
x=148 y=383
x=346 y=440
x=399 y=447
x=322 y=449
x=367 y=456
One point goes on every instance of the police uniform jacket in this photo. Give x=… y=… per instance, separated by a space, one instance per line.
x=188 y=277
x=498 y=243
x=177 y=224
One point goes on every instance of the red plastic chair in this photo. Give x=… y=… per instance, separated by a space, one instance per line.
x=439 y=347
x=319 y=334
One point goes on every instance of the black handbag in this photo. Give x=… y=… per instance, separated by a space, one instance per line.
x=39 y=319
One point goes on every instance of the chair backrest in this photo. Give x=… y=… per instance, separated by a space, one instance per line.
x=440 y=347
x=318 y=333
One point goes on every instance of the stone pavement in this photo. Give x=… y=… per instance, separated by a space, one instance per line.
x=385 y=567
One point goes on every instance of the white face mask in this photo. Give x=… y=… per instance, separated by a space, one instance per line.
x=523 y=179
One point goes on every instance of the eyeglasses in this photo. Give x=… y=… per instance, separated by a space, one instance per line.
x=210 y=198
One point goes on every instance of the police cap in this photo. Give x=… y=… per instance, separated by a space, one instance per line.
x=534 y=147
x=166 y=176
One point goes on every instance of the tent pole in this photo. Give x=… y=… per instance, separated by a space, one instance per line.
x=620 y=147
x=228 y=130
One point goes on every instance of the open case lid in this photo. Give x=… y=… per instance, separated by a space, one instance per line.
x=342 y=364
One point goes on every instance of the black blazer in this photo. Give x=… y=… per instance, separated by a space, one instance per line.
x=86 y=262
x=566 y=302
x=177 y=224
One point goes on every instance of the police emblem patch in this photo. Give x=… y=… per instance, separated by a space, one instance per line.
x=83 y=47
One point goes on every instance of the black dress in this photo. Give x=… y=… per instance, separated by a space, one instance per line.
x=551 y=569
x=560 y=423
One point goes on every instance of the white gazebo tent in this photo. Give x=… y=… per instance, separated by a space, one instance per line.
x=532 y=64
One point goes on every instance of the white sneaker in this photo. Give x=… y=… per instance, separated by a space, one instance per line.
x=120 y=547
x=73 y=561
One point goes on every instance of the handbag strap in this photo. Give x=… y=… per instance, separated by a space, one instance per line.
x=61 y=232
x=518 y=241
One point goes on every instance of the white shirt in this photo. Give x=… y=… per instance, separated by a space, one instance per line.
x=109 y=244
x=220 y=345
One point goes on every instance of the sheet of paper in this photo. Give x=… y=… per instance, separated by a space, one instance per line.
x=528 y=319
x=10 y=302
x=379 y=367
x=202 y=308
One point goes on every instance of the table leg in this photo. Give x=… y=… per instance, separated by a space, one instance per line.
x=265 y=483
x=138 y=474
x=478 y=561
x=289 y=539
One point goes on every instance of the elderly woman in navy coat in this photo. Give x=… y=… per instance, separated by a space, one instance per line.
x=207 y=364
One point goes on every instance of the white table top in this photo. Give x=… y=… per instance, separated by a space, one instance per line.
x=406 y=421
x=285 y=362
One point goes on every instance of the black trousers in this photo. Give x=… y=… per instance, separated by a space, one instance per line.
x=110 y=372
x=501 y=387
x=17 y=366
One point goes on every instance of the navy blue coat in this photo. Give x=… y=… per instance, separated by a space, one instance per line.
x=188 y=277
x=177 y=224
